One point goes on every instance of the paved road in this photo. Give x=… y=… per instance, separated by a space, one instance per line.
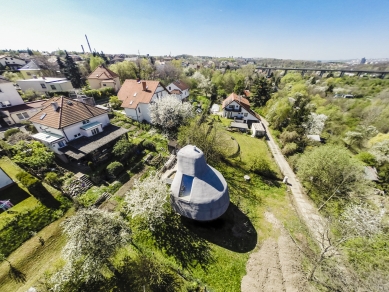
x=304 y=205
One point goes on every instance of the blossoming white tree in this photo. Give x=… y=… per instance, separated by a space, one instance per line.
x=93 y=237
x=315 y=124
x=147 y=199
x=203 y=83
x=361 y=220
x=170 y=112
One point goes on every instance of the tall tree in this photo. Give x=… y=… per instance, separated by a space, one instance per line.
x=239 y=87
x=260 y=92
x=104 y=57
x=72 y=72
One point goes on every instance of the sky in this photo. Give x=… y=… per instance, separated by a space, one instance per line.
x=282 y=29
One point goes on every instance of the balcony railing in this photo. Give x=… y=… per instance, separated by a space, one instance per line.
x=234 y=109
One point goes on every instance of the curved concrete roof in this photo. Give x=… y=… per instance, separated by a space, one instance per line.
x=198 y=191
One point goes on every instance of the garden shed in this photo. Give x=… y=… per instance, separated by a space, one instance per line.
x=198 y=191
x=258 y=129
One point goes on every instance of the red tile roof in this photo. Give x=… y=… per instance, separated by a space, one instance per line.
x=243 y=102
x=69 y=112
x=102 y=73
x=181 y=85
x=132 y=93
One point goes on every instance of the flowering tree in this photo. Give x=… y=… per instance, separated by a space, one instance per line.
x=147 y=199
x=203 y=83
x=170 y=112
x=381 y=151
x=315 y=124
x=362 y=220
x=93 y=237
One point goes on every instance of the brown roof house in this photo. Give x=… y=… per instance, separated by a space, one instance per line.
x=238 y=108
x=179 y=88
x=102 y=77
x=137 y=95
x=75 y=130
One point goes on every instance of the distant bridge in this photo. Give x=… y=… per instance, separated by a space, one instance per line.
x=380 y=74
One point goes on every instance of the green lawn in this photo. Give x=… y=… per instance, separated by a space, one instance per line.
x=28 y=214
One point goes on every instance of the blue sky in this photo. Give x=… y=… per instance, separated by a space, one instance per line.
x=299 y=29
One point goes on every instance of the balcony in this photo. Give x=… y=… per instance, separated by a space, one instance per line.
x=233 y=109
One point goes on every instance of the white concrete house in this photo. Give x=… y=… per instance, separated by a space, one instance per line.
x=137 y=96
x=102 y=77
x=46 y=84
x=12 y=107
x=179 y=88
x=238 y=107
x=12 y=62
x=63 y=121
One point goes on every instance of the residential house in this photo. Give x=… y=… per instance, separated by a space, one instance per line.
x=179 y=88
x=12 y=107
x=12 y=62
x=46 y=84
x=238 y=108
x=30 y=69
x=102 y=77
x=136 y=96
x=75 y=130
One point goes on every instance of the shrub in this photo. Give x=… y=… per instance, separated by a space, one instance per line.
x=289 y=149
x=102 y=93
x=262 y=167
x=10 y=132
x=147 y=144
x=29 y=181
x=52 y=179
x=114 y=169
x=287 y=137
x=367 y=158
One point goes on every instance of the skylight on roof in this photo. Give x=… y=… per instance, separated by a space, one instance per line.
x=43 y=116
x=134 y=94
x=131 y=102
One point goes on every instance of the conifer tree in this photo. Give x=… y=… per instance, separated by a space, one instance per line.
x=72 y=72
x=104 y=57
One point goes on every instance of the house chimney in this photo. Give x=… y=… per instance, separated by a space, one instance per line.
x=144 y=85
x=54 y=105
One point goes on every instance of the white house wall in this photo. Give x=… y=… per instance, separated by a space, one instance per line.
x=243 y=114
x=94 y=83
x=131 y=113
x=35 y=85
x=185 y=93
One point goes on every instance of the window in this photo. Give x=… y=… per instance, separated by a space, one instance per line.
x=53 y=87
x=138 y=109
x=95 y=131
x=61 y=144
x=28 y=73
x=77 y=135
x=22 y=116
x=230 y=106
x=43 y=85
x=104 y=84
x=85 y=122
x=245 y=114
x=170 y=88
x=0 y=90
x=12 y=58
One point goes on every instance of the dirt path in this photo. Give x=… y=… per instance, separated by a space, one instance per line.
x=304 y=206
x=276 y=266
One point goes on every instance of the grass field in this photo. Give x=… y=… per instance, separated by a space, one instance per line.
x=212 y=254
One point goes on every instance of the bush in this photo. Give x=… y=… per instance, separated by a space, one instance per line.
x=262 y=167
x=115 y=102
x=52 y=179
x=147 y=144
x=27 y=180
x=287 y=137
x=114 y=169
x=367 y=158
x=10 y=132
x=102 y=93
x=289 y=149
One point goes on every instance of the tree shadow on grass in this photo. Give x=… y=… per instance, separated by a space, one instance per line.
x=176 y=240
x=44 y=196
x=233 y=230
x=17 y=275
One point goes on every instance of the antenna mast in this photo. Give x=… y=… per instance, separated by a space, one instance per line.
x=88 y=44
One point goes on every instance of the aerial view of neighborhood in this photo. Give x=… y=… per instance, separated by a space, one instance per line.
x=194 y=146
